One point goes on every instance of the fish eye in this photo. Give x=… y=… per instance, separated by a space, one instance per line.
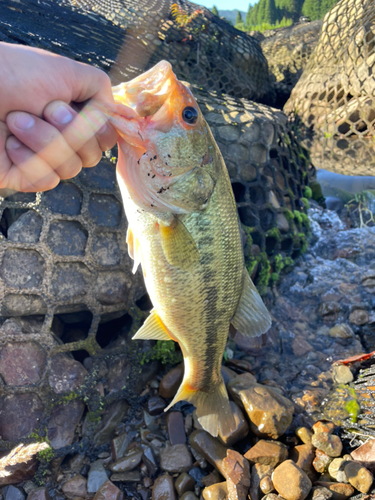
x=190 y=115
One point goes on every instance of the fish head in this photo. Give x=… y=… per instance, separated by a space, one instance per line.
x=163 y=141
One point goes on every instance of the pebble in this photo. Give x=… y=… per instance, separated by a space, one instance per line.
x=334 y=467
x=304 y=434
x=217 y=491
x=258 y=472
x=342 y=331
x=129 y=462
x=241 y=430
x=13 y=493
x=175 y=427
x=328 y=443
x=96 y=477
x=320 y=493
x=321 y=461
x=131 y=476
x=341 y=491
x=108 y=491
x=189 y=495
x=184 y=483
x=38 y=494
x=212 y=478
x=303 y=455
x=75 y=487
x=150 y=461
x=342 y=374
x=267 y=453
x=359 y=317
x=290 y=481
x=237 y=471
x=323 y=426
x=270 y=413
x=358 y=476
x=171 y=382
x=163 y=488
x=155 y=405
x=119 y=445
x=176 y=458
x=239 y=364
x=266 y=485
x=209 y=447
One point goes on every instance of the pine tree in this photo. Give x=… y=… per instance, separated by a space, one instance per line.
x=239 y=18
x=270 y=12
x=215 y=11
x=311 y=9
x=261 y=12
x=254 y=15
x=248 y=21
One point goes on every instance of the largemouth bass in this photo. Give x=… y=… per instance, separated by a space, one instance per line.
x=184 y=230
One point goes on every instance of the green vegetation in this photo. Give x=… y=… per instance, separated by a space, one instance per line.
x=164 y=351
x=308 y=192
x=215 y=11
x=270 y=14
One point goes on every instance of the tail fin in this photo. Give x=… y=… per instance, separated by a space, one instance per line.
x=213 y=409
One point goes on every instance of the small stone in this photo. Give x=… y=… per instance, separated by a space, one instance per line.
x=110 y=420
x=175 y=427
x=340 y=491
x=217 y=491
x=22 y=363
x=163 y=488
x=329 y=443
x=210 y=448
x=38 y=494
x=129 y=462
x=266 y=485
x=212 y=478
x=77 y=462
x=303 y=455
x=329 y=308
x=290 y=481
x=359 y=317
x=75 y=487
x=341 y=331
x=66 y=374
x=323 y=426
x=241 y=430
x=96 y=477
x=63 y=422
x=321 y=461
x=123 y=477
x=108 y=491
x=301 y=347
x=184 y=483
x=358 y=476
x=155 y=406
x=13 y=493
x=342 y=374
x=189 y=495
x=150 y=461
x=176 y=458
x=237 y=471
x=119 y=445
x=320 y=493
x=334 y=467
x=258 y=472
x=304 y=434
x=267 y=453
x=171 y=382
x=270 y=413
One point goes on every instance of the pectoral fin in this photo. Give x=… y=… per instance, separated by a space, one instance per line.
x=178 y=245
x=134 y=249
x=153 y=329
x=251 y=317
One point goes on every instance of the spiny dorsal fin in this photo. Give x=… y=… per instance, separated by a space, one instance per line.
x=152 y=329
x=251 y=317
x=178 y=245
x=134 y=249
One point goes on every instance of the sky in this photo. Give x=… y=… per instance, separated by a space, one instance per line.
x=226 y=4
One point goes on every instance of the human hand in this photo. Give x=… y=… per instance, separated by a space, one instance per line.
x=42 y=137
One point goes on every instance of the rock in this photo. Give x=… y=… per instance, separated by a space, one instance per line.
x=26 y=229
x=217 y=491
x=163 y=488
x=342 y=374
x=358 y=476
x=270 y=413
x=266 y=485
x=96 y=477
x=155 y=406
x=29 y=409
x=75 y=487
x=189 y=495
x=239 y=364
x=13 y=493
x=124 y=477
x=290 y=481
x=171 y=382
x=77 y=462
x=108 y=491
x=66 y=374
x=129 y=462
x=176 y=458
x=328 y=443
x=341 y=491
x=267 y=453
x=184 y=483
x=359 y=317
x=63 y=422
x=38 y=494
x=175 y=427
x=22 y=363
x=110 y=420
x=321 y=461
x=320 y=493
x=212 y=478
x=150 y=461
x=210 y=448
x=241 y=430
x=303 y=455
x=119 y=445
x=301 y=347
x=258 y=473
x=237 y=471
x=304 y=434
x=341 y=331
x=323 y=426
x=365 y=454
x=334 y=467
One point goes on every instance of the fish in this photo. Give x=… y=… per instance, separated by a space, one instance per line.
x=184 y=230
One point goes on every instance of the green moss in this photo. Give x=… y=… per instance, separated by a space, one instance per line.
x=46 y=455
x=163 y=351
x=274 y=277
x=307 y=191
x=66 y=398
x=305 y=201
x=353 y=409
x=289 y=215
x=317 y=193
x=274 y=233
x=288 y=261
x=264 y=273
x=278 y=263
x=303 y=242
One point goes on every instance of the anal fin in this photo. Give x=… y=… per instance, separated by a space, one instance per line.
x=153 y=329
x=251 y=317
x=134 y=249
x=178 y=245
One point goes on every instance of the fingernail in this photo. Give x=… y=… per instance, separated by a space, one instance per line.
x=12 y=143
x=62 y=115
x=24 y=121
